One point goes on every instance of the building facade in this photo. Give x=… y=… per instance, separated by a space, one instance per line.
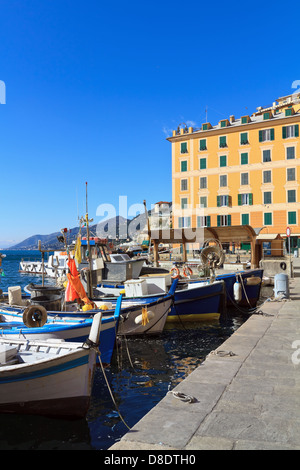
x=241 y=171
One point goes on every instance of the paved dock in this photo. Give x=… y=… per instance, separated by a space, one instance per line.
x=244 y=396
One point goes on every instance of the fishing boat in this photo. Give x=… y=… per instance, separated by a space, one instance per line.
x=50 y=377
x=32 y=323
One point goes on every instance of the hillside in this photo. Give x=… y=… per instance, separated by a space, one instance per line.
x=106 y=229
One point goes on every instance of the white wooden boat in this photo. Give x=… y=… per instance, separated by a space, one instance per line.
x=48 y=377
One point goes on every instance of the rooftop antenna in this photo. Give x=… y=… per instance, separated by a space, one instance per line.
x=206 y=113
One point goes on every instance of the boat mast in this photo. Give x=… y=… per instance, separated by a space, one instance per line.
x=90 y=284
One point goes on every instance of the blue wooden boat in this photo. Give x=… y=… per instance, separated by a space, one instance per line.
x=67 y=329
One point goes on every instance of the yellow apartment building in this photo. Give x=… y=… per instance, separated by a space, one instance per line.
x=241 y=171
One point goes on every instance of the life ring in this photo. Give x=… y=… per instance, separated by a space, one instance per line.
x=35 y=316
x=176 y=273
x=187 y=271
x=283 y=265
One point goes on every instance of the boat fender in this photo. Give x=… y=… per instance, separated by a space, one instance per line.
x=140 y=318
x=175 y=274
x=253 y=281
x=237 y=291
x=35 y=316
x=187 y=271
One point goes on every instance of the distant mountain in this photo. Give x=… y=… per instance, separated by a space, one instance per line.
x=107 y=229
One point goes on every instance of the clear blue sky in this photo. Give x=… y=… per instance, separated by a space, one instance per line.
x=94 y=88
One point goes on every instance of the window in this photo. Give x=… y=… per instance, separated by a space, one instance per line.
x=223 y=220
x=290 y=153
x=203 y=201
x=184 y=203
x=223 y=123
x=184 y=222
x=244 y=138
x=244 y=178
x=245 y=219
x=289 y=112
x=203 y=182
x=267 y=115
x=267 y=176
x=223 y=181
x=267 y=197
x=183 y=147
x=245 y=119
x=244 y=158
x=202 y=144
x=292 y=218
x=203 y=221
x=266 y=155
x=202 y=163
x=290 y=131
x=268 y=218
x=266 y=135
x=291 y=195
x=223 y=201
x=184 y=185
x=291 y=174
x=223 y=160
x=222 y=142
x=183 y=165
x=245 y=199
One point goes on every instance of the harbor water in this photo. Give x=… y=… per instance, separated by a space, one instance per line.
x=142 y=371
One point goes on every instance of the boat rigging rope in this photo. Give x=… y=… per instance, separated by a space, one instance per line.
x=111 y=394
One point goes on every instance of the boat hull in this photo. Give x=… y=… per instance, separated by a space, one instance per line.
x=58 y=386
x=155 y=316
x=198 y=303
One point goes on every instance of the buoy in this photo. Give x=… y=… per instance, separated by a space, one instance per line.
x=175 y=273
x=237 y=291
x=253 y=281
x=187 y=271
x=140 y=318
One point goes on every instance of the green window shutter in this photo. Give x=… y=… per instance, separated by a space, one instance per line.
x=292 y=217
x=245 y=219
x=183 y=147
x=222 y=141
x=260 y=136
x=268 y=218
x=218 y=220
x=230 y=201
x=218 y=201
x=284 y=132
x=229 y=219
x=239 y=199
x=208 y=221
x=250 y=199
x=184 y=165
x=244 y=120
x=244 y=138
x=288 y=112
x=272 y=134
x=203 y=144
x=296 y=130
x=244 y=158
x=223 y=160
x=204 y=127
x=202 y=163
